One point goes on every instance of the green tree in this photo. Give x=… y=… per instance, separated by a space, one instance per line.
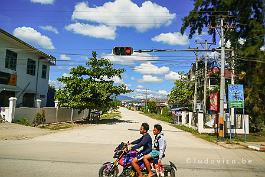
x=50 y=96
x=151 y=105
x=91 y=87
x=182 y=92
x=247 y=18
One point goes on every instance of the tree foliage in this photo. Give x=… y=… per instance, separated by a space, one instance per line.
x=91 y=87
x=50 y=96
x=182 y=92
x=247 y=19
x=151 y=105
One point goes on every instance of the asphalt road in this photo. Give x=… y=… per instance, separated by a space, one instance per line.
x=80 y=152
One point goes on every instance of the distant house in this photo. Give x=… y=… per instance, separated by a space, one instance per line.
x=24 y=71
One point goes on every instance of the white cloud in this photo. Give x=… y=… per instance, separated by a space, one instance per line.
x=64 y=57
x=262 y=48
x=66 y=75
x=150 y=79
x=43 y=1
x=57 y=84
x=116 y=80
x=30 y=35
x=149 y=68
x=100 y=31
x=125 y=13
x=140 y=87
x=172 y=76
x=129 y=60
x=172 y=38
x=140 y=93
x=214 y=55
x=50 y=28
x=241 y=41
x=163 y=92
x=227 y=43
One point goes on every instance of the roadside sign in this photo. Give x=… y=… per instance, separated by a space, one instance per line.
x=235 y=96
x=214 y=101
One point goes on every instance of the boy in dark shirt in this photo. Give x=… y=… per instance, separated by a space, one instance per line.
x=146 y=142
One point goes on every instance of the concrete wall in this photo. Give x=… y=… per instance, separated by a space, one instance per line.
x=52 y=115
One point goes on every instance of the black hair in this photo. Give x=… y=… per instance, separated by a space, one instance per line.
x=158 y=127
x=145 y=126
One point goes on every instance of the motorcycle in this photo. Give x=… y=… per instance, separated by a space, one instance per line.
x=123 y=157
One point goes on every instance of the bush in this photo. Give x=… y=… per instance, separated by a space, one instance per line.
x=23 y=121
x=39 y=119
x=166 y=112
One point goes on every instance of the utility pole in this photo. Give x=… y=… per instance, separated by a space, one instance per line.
x=233 y=120
x=222 y=85
x=205 y=74
x=196 y=83
x=146 y=100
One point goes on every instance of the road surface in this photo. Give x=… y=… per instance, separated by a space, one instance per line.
x=80 y=152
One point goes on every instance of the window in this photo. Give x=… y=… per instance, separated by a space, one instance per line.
x=44 y=71
x=31 y=67
x=11 y=60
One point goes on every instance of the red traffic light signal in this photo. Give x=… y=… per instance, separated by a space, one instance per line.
x=122 y=50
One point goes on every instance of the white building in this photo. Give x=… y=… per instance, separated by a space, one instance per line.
x=24 y=71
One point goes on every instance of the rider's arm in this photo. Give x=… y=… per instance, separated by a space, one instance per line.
x=143 y=141
x=137 y=141
x=162 y=146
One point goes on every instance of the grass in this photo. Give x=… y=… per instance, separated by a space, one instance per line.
x=158 y=117
x=57 y=126
x=112 y=115
x=252 y=137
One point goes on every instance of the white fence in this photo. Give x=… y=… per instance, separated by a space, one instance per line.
x=198 y=121
x=51 y=114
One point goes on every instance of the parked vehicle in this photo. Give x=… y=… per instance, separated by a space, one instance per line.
x=123 y=157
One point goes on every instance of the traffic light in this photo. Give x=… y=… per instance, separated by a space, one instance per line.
x=122 y=50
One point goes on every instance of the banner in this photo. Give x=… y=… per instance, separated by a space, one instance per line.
x=214 y=101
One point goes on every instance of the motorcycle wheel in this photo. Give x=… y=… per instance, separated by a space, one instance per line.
x=172 y=173
x=102 y=172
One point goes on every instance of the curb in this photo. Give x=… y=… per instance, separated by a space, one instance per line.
x=257 y=148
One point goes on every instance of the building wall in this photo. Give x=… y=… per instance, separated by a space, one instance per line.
x=23 y=53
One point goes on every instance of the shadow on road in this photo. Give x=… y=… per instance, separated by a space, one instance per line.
x=104 y=121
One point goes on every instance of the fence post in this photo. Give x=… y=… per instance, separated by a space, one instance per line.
x=37 y=103
x=12 y=108
x=183 y=115
x=72 y=114
x=246 y=120
x=56 y=105
x=190 y=118
x=200 y=122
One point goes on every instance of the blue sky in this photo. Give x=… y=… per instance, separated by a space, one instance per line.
x=70 y=30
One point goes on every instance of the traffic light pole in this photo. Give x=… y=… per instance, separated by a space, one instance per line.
x=172 y=50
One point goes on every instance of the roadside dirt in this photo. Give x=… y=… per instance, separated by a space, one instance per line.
x=11 y=131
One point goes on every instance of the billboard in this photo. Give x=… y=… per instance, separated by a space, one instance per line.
x=235 y=96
